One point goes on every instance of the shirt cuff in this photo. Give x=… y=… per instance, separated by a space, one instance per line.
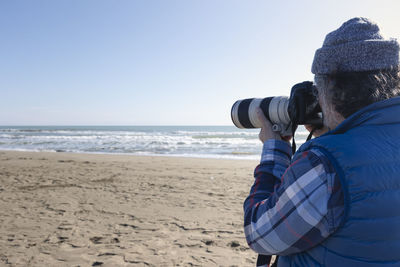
x=277 y=151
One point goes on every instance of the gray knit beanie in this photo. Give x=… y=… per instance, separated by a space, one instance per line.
x=356 y=46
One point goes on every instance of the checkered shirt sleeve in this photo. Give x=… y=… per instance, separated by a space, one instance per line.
x=293 y=204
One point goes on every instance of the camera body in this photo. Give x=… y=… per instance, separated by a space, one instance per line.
x=285 y=113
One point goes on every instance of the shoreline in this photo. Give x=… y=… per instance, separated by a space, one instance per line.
x=68 y=209
x=208 y=156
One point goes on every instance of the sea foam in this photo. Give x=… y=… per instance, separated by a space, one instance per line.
x=186 y=141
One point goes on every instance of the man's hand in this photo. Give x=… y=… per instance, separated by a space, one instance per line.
x=266 y=132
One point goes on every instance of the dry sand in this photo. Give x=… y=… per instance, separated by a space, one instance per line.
x=61 y=209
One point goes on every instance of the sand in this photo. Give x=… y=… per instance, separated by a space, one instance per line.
x=65 y=209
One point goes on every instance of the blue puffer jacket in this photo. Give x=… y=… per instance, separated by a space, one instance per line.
x=365 y=151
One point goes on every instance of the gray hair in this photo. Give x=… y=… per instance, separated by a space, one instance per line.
x=348 y=92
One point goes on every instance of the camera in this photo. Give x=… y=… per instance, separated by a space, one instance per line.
x=285 y=113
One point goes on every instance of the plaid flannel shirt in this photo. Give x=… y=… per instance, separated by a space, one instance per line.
x=293 y=204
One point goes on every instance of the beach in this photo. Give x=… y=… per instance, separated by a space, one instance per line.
x=72 y=209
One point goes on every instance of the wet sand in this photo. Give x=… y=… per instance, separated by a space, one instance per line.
x=64 y=209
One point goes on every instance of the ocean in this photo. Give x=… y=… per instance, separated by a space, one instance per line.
x=185 y=141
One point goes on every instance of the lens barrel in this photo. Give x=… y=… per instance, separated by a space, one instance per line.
x=275 y=109
x=278 y=110
x=243 y=113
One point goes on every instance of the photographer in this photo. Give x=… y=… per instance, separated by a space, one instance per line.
x=336 y=202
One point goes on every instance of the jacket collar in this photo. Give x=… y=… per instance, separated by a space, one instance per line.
x=379 y=113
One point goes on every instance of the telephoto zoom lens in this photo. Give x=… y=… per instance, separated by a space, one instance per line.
x=275 y=109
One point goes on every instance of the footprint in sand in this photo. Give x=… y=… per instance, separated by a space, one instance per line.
x=96 y=239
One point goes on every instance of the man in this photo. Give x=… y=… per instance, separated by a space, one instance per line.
x=337 y=201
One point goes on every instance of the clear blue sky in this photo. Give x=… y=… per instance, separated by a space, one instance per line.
x=145 y=62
